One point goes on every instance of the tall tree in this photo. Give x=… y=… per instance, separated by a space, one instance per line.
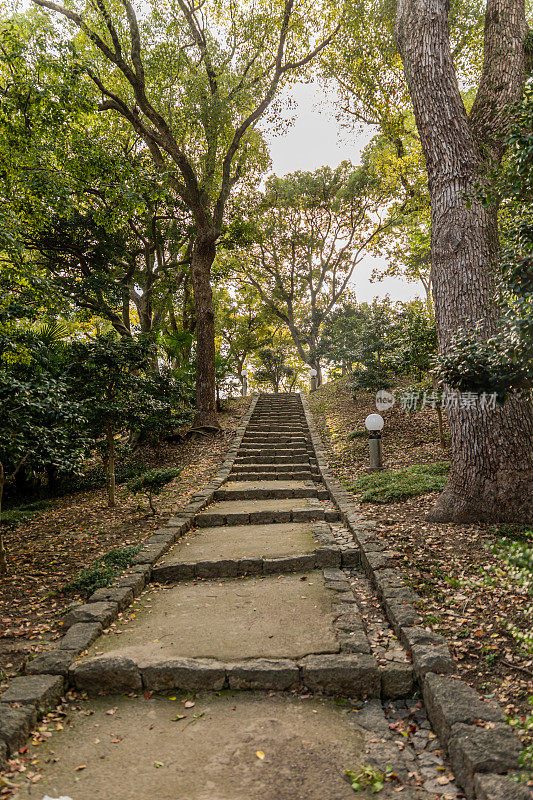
x=82 y=203
x=313 y=228
x=193 y=81
x=492 y=466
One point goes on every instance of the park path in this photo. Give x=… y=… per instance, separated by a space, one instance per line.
x=257 y=663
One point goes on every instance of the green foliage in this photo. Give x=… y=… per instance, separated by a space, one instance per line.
x=41 y=423
x=515 y=548
x=273 y=367
x=151 y=482
x=95 y=477
x=372 y=377
x=393 y=485
x=13 y=517
x=368 y=777
x=501 y=359
x=103 y=571
x=379 y=341
x=357 y=435
x=311 y=231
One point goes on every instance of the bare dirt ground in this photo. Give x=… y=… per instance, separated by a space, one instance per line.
x=50 y=549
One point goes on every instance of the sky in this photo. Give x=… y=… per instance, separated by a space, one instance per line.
x=314 y=139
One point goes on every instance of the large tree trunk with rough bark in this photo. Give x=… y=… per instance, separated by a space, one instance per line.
x=492 y=464
x=203 y=255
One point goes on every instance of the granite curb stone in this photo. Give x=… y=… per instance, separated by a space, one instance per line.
x=473 y=749
x=55 y=662
x=80 y=636
x=356 y=673
x=41 y=691
x=499 y=787
x=102 y=612
x=188 y=674
x=107 y=674
x=263 y=674
x=15 y=725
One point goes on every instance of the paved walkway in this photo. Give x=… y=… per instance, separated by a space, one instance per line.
x=256 y=665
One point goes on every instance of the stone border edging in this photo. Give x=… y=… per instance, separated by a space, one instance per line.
x=480 y=756
x=47 y=675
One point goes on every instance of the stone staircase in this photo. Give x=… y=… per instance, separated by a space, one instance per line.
x=284 y=615
x=251 y=616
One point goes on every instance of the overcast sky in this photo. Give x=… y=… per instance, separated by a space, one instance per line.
x=316 y=139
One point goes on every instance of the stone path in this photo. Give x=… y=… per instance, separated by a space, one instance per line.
x=257 y=663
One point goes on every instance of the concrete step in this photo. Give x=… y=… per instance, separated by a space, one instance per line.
x=268 y=444
x=249 y=550
x=280 y=441
x=273 y=453
x=260 y=467
x=263 y=490
x=304 y=475
x=244 y=512
x=270 y=459
x=196 y=635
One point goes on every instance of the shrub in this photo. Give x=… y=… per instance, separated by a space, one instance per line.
x=103 y=571
x=400 y=484
x=151 y=482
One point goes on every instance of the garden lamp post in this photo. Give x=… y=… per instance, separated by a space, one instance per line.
x=244 y=374
x=374 y=424
x=312 y=374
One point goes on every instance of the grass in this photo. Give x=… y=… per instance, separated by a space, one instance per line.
x=103 y=571
x=12 y=517
x=400 y=484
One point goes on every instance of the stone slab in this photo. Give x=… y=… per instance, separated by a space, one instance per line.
x=224 y=507
x=450 y=701
x=56 y=662
x=110 y=673
x=499 y=787
x=41 y=691
x=103 y=612
x=270 y=617
x=15 y=725
x=186 y=674
x=474 y=749
x=242 y=541
x=354 y=674
x=208 y=755
x=263 y=674
x=80 y=636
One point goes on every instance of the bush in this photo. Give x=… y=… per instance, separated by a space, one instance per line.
x=103 y=571
x=96 y=478
x=400 y=484
x=151 y=482
x=13 y=517
x=357 y=435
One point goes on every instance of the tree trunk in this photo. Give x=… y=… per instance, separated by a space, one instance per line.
x=3 y=556
x=492 y=462
x=440 y=420
x=203 y=255
x=111 y=496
